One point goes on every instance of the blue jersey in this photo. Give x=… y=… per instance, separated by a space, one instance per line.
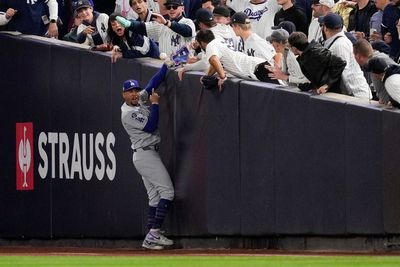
x=30 y=16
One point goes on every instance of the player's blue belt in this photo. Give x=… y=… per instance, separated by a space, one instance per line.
x=155 y=147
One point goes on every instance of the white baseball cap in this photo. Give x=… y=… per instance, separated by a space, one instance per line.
x=328 y=3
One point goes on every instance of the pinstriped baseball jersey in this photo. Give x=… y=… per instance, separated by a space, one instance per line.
x=221 y=32
x=261 y=15
x=255 y=46
x=134 y=119
x=352 y=76
x=234 y=62
x=226 y=33
x=168 y=40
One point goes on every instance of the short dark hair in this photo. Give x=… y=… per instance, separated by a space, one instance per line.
x=298 y=40
x=215 y=3
x=130 y=2
x=205 y=36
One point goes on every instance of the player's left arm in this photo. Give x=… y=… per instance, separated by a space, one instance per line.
x=53 y=16
x=157 y=79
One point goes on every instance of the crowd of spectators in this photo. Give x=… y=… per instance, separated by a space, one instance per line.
x=350 y=47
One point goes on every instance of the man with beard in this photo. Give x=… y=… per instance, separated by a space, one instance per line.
x=353 y=80
x=171 y=32
x=320 y=8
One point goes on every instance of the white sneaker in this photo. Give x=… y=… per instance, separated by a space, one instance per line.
x=157 y=238
x=152 y=246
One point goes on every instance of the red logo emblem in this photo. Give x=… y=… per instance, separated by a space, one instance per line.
x=24 y=152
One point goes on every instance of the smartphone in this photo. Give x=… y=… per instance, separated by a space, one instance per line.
x=153 y=17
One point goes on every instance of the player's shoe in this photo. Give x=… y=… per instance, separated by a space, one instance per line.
x=152 y=246
x=158 y=238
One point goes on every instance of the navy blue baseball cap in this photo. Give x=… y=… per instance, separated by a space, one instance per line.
x=240 y=18
x=203 y=15
x=286 y=25
x=76 y=5
x=221 y=11
x=130 y=84
x=377 y=65
x=331 y=21
x=173 y=3
x=381 y=46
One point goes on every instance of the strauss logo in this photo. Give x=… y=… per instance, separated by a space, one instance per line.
x=24 y=156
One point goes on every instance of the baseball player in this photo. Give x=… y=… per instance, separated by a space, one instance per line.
x=140 y=122
x=260 y=12
x=172 y=32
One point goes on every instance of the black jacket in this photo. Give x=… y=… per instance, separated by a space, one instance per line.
x=321 y=67
x=354 y=17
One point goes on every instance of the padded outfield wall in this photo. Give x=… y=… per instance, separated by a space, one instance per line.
x=253 y=161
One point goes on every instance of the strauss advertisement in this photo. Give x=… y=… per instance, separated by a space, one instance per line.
x=82 y=156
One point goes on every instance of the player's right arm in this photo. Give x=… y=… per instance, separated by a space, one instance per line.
x=216 y=67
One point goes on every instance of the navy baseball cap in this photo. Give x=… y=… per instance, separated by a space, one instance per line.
x=377 y=65
x=286 y=25
x=331 y=21
x=173 y=3
x=381 y=46
x=222 y=11
x=240 y=18
x=76 y=5
x=204 y=15
x=130 y=84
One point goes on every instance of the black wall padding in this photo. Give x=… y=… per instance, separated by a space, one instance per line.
x=364 y=176
x=257 y=157
x=253 y=160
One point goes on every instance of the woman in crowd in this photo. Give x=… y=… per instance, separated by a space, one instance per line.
x=128 y=44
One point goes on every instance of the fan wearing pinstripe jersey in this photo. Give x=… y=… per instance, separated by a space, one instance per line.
x=353 y=80
x=253 y=44
x=205 y=20
x=260 y=12
x=224 y=60
x=171 y=32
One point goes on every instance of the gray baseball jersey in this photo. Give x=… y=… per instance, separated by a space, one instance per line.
x=134 y=119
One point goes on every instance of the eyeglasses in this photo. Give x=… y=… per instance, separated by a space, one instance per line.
x=172 y=7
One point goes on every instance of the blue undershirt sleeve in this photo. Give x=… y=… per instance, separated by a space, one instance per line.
x=157 y=79
x=152 y=122
x=182 y=29
x=138 y=27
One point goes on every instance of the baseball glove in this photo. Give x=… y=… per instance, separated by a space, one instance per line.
x=209 y=82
